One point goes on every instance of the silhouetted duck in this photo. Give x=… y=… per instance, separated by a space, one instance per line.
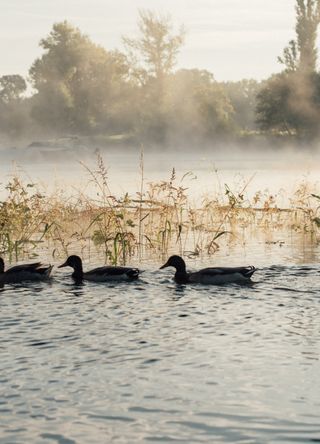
x=214 y=275
x=100 y=274
x=24 y=272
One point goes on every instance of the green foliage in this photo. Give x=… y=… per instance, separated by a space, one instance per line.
x=113 y=226
x=13 y=112
x=80 y=88
x=290 y=102
x=301 y=54
x=12 y=87
x=242 y=96
x=308 y=19
x=272 y=110
x=196 y=106
x=21 y=218
x=290 y=57
x=79 y=84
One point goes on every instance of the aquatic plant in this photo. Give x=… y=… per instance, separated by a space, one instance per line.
x=22 y=218
x=158 y=219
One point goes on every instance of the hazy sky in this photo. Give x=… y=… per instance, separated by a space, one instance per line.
x=234 y=39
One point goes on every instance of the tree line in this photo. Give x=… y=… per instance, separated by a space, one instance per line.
x=80 y=88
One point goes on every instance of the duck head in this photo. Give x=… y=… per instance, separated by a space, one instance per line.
x=74 y=262
x=175 y=261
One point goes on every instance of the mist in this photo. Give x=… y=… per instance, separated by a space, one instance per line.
x=80 y=96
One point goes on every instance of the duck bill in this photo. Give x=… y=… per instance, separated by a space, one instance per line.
x=63 y=265
x=164 y=266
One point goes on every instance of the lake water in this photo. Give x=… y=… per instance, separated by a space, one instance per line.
x=151 y=361
x=203 y=174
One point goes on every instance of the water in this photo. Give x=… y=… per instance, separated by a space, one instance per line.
x=202 y=174
x=151 y=361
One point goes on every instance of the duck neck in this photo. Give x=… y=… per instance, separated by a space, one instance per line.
x=181 y=275
x=77 y=272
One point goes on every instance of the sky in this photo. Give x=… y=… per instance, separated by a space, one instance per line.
x=233 y=39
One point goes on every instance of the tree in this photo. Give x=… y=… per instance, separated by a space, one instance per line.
x=242 y=96
x=273 y=110
x=154 y=52
x=196 y=107
x=301 y=54
x=290 y=57
x=152 y=57
x=290 y=101
x=13 y=112
x=79 y=84
x=288 y=104
x=12 y=87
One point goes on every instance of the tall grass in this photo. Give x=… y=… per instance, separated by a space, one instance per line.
x=158 y=219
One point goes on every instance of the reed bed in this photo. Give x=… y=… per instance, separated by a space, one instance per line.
x=157 y=219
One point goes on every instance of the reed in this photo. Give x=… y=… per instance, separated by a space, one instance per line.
x=158 y=219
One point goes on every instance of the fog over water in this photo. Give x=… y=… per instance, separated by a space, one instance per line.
x=202 y=173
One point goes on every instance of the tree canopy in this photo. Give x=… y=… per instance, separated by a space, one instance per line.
x=79 y=84
x=301 y=53
x=80 y=88
x=290 y=101
x=154 y=52
x=12 y=88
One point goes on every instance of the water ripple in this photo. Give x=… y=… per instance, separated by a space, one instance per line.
x=154 y=361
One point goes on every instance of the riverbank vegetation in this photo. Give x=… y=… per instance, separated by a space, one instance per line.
x=79 y=88
x=156 y=219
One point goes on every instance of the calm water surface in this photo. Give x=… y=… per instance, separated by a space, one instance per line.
x=152 y=361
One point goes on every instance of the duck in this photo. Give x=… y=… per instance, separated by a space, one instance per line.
x=212 y=275
x=24 y=272
x=100 y=274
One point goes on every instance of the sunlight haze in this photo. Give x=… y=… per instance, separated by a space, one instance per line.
x=233 y=39
x=160 y=221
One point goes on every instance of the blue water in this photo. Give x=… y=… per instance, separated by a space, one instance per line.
x=151 y=361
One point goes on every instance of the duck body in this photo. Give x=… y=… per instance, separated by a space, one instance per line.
x=211 y=275
x=100 y=274
x=25 y=272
